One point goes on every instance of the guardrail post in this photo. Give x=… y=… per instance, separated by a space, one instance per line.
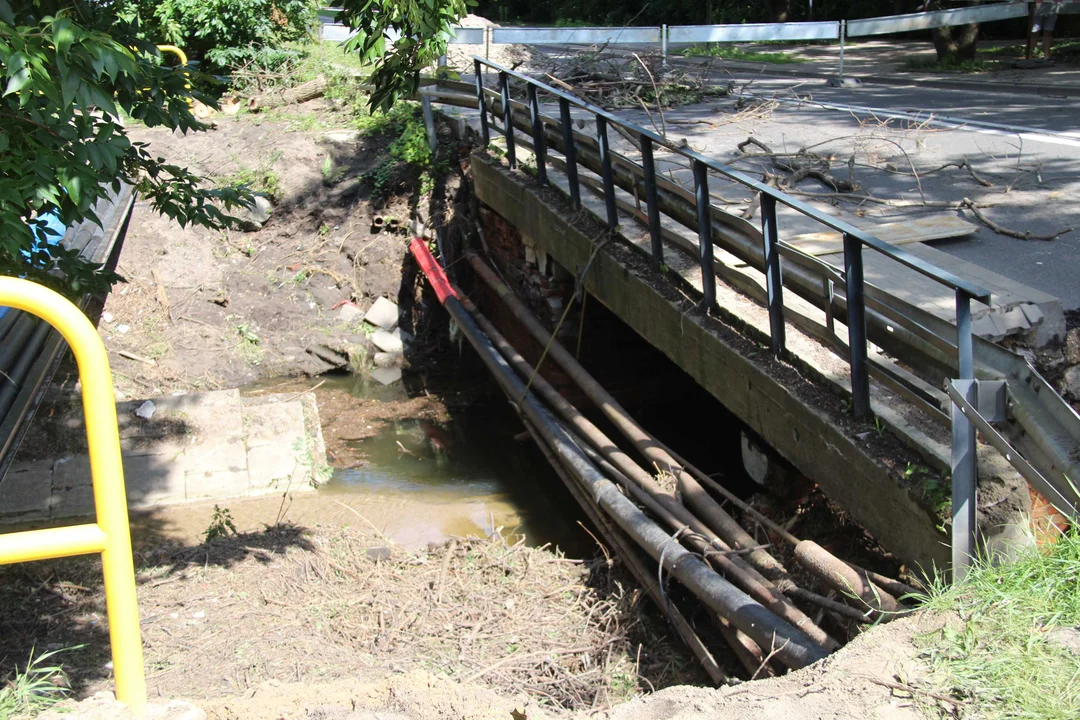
x=569 y=152
x=429 y=121
x=663 y=43
x=843 y=33
x=539 y=141
x=964 y=458
x=485 y=133
x=774 y=283
x=649 y=166
x=704 y=219
x=508 y=118
x=856 y=322
x=606 y=174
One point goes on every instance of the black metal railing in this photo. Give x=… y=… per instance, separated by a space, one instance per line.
x=854 y=238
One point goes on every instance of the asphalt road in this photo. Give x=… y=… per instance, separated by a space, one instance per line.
x=1027 y=145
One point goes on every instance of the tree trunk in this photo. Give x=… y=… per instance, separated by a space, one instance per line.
x=956 y=43
x=780 y=10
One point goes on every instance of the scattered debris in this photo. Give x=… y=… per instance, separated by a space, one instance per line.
x=146 y=410
x=254 y=216
x=390 y=342
x=383 y=314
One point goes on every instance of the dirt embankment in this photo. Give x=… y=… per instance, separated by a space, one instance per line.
x=204 y=309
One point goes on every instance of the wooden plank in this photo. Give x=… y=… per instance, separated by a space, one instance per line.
x=935 y=227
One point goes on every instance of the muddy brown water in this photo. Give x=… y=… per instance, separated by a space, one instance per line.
x=422 y=481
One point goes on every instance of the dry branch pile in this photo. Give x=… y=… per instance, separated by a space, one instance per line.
x=628 y=81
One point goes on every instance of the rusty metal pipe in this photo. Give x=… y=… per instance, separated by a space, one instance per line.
x=645 y=489
x=693 y=494
x=795 y=650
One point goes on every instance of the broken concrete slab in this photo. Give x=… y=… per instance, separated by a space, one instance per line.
x=383 y=314
x=195 y=447
x=387 y=375
x=349 y=313
x=388 y=341
x=385 y=360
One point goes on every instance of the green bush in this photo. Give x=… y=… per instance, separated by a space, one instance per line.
x=223 y=33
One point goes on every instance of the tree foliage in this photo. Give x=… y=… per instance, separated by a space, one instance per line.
x=221 y=32
x=419 y=25
x=68 y=69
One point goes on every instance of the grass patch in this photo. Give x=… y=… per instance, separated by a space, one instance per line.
x=35 y=689
x=949 y=65
x=1009 y=655
x=262 y=179
x=1065 y=50
x=734 y=52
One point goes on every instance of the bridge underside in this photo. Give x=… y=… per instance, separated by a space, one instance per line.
x=797 y=407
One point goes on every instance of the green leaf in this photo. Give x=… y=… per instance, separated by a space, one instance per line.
x=5 y=12
x=63 y=35
x=18 y=81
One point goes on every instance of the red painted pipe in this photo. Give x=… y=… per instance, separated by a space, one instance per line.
x=432 y=270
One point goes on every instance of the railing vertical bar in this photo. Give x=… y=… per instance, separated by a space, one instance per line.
x=508 y=117
x=569 y=152
x=607 y=175
x=856 y=321
x=649 y=166
x=485 y=133
x=964 y=459
x=774 y=283
x=704 y=218
x=539 y=141
x=830 y=294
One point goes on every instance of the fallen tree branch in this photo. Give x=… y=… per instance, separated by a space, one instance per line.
x=1001 y=230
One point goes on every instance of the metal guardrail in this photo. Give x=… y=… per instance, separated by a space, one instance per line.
x=751 y=32
x=855 y=239
x=110 y=535
x=576 y=35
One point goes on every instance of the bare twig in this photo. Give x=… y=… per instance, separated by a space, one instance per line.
x=1001 y=230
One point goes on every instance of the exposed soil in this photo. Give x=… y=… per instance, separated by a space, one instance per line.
x=217 y=309
x=293 y=605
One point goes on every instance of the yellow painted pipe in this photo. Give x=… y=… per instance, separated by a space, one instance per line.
x=107 y=473
x=51 y=543
x=175 y=51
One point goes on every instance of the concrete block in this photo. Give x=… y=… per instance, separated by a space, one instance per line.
x=216 y=455
x=274 y=423
x=385 y=360
x=77 y=501
x=388 y=341
x=383 y=314
x=25 y=490
x=349 y=313
x=277 y=468
x=227 y=483
x=71 y=471
x=154 y=480
x=1033 y=314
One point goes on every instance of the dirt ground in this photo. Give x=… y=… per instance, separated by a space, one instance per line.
x=295 y=623
x=205 y=309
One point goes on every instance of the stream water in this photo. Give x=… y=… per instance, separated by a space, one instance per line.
x=421 y=482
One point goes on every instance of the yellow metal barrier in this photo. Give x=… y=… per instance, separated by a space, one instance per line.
x=175 y=51
x=110 y=535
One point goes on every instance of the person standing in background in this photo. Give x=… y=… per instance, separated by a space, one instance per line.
x=1043 y=15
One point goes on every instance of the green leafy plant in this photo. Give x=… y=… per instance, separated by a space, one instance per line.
x=38 y=687
x=69 y=70
x=224 y=33
x=221 y=524
x=421 y=26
